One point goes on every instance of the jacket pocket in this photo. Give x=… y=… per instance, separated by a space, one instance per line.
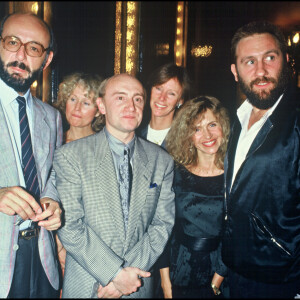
x=259 y=224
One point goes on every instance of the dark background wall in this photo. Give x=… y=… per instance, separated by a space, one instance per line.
x=85 y=35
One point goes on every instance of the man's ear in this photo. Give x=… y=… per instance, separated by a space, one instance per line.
x=101 y=105
x=49 y=59
x=234 y=72
x=287 y=57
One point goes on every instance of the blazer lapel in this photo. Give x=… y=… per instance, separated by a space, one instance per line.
x=109 y=187
x=9 y=170
x=229 y=160
x=260 y=138
x=140 y=186
x=41 y=134
x=258 y=141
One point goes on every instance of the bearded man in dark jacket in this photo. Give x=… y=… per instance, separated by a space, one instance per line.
x=261 y=244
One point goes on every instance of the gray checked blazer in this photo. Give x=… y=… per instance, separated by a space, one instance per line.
x=93 y=234
x=47 y=137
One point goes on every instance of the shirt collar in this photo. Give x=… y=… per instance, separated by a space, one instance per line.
x=8 y=94
x=245 y=110
x=117 y=146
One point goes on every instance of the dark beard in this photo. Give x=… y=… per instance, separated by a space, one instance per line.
x=266 y=100
x=19 y=84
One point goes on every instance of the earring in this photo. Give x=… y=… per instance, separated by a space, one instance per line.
x=178 y=105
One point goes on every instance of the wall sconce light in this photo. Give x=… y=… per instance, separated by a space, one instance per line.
x=162 y=49
x=296 y=38
x=201 y=51
x=35 y=8
x=33 y=88
x=34 y=84
x=293 y=38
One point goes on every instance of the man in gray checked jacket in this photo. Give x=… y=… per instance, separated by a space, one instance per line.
x=113 y=235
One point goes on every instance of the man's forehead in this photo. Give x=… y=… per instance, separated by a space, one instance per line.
x=124 y=82
x=26 y=25
x=256 y=39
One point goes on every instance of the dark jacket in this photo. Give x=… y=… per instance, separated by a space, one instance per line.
x=262 y=210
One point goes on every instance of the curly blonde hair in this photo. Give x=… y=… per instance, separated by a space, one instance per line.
x=90 y=83
x=179 y=141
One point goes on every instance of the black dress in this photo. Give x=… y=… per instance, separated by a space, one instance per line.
x=195 y=242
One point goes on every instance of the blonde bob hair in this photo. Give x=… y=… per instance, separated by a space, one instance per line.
x=179 y=141
x=90 y=84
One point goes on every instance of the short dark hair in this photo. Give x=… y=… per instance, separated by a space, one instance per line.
x=167 y=72
x=257 y=27
x=52 y=46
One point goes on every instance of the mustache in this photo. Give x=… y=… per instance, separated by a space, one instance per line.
x=262 y=79
x=19 y=65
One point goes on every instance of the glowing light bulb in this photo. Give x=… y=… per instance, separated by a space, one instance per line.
x=35 y=8
x=296 y=38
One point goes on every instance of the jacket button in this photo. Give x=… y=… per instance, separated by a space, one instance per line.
x=15 y=247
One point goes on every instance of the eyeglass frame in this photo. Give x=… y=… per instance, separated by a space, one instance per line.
x=23 y=44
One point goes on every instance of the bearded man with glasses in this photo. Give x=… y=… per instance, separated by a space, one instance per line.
x=30 y=132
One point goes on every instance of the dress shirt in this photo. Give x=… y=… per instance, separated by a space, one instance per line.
x=11 y=112
x=247 y=136
x=117 y=150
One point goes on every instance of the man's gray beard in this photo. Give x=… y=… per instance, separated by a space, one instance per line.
x=20 y=85
x=268 y=101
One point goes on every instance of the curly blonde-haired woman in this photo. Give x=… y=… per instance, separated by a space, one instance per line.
x=76 y=101
x=197 y=141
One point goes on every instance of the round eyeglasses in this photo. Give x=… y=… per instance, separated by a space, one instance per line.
x=13 y=44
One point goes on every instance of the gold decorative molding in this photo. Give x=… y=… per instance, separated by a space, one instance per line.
x=181 y=33
x=126 y=37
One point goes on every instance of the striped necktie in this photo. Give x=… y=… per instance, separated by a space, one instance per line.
x=28 y=161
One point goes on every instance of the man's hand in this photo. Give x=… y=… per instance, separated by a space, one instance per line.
x=53 y=213
x=109 y=291
x=127 y=281
x=15 y=200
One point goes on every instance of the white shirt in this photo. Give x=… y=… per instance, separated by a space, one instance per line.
x=157 y=136
x=247 y=136
x=11 y=112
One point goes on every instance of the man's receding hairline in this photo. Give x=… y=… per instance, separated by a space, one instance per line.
x=122 y=75
x=30 y=15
